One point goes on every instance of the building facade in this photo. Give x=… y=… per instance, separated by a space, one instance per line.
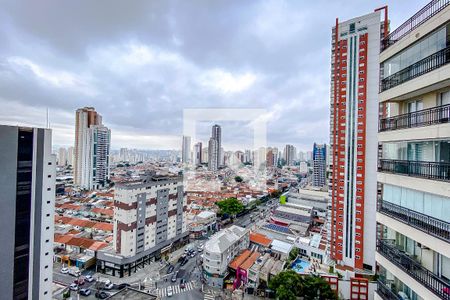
x=186 y=150
x=217 y=135
x=198 y=154
x=289 y=155
x=220 y=250
x=149 y=218
x=319 y=165
x=353 y=138
x=91 y=151
x=213 y=152
x=27 y=181
x=413 y=246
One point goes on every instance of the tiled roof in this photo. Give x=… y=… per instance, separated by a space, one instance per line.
x=260 y=239
x=250 y=261
x=237 y=262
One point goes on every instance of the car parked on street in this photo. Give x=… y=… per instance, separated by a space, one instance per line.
x=73 y=287
x=170 y=269
x=79 y=281
x=64 y=270
x=89 y=278
x=85 y=292
x=174 y=277
x=101 y=295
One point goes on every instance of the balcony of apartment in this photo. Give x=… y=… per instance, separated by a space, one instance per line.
x=411 y=81
x=427 y=230
x=430 y=123
x=385 y=292
x=430 y=10
x=430 y=225
x=433 y=170
x=411 y=272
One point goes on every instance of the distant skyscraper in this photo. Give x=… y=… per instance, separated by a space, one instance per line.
x=289 y=155
x=205 y=155
x=217 y=135
x=186 y=150
x=247 y=156
x=354 y=112
x=62 y=157
x=270 y=158
x=301 y=156
x=319 y=165
x=27 y=201
x=198 y=154
x=70 y=156
x=92 y=146
x=217 y=156
x=212 y=155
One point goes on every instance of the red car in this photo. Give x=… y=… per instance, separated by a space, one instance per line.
x=79 y=281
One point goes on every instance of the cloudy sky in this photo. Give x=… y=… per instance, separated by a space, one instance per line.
x=140 y=63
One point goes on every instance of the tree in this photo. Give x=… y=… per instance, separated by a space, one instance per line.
x=315 y=287
x=290 y=285
x=230 y=206
x=287 y=285
x=238 y=179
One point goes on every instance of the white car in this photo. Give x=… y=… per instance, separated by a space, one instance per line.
x=169 y=291
x=73 y=287
x=109 y=286
x=64 y=270
x=89 y=278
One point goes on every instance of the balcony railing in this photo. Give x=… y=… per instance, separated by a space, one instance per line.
x=423 y=15
x=414 y=269
x=425 y=117
x=385 y=292
x=428 y=64
x=423 y=169
x=430 y=225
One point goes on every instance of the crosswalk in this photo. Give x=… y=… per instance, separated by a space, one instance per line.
x=208 y=296
x=176 y=289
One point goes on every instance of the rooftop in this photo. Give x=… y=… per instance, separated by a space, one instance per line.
x=223 y=239
x=237 y=262
x=260 y=239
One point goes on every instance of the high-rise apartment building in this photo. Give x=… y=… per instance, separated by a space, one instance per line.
x=149 y=218
x=27 y=183
x=205 y=155
x=70 y=156
x=217 y=135
x=289 y=155
x=198 y=154
x=319 y=165
x=354 y=113
x=92 y=147
x=62 y=157
x=270 y=157
x=213 y=152
x=186 y=150
x=413 y=212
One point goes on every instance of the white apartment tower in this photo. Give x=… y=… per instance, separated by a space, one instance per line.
x=213 y=159
x=186 y=150
x=217 y=135
x=413 y=212
x=149 y=218
x=91 y=151
x=27 y=202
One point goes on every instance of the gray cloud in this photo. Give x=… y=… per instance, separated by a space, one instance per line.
x=141 y=62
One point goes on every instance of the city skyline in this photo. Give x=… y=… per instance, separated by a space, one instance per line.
x=64 y=74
